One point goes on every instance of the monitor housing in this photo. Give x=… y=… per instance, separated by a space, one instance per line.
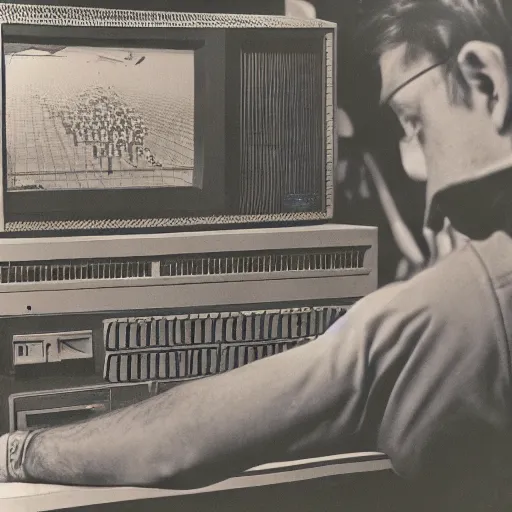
x=237 y=129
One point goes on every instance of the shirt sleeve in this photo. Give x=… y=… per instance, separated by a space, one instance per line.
x=415 y=370
x=418 y=370
x=439 y=380
x=308 y=401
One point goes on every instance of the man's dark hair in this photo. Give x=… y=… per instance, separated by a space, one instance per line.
x=439 y=28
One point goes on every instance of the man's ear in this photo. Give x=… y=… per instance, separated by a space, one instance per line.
x=484 y=68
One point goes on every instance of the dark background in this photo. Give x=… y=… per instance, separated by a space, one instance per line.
x=358 y=94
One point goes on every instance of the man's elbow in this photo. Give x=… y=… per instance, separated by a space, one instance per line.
x=169 y=473
x=192 y=479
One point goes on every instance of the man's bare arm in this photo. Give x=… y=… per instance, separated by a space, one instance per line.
x=208 y=430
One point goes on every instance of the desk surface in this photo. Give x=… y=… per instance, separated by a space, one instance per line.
x=31 y=497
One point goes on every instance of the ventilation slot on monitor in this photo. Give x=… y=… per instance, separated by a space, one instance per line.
x=265 y=262
x=181 y=347
x=282 y=127
x=72 y=270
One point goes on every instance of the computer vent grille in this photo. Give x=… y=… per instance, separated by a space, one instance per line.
x=72 y=270
x=291 y=85
x=180 y=365
x=265 y=262
x=188 y=265
x=206 y=328
x=180 y=347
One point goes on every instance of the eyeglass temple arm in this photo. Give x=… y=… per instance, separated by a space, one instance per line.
x=385 y=101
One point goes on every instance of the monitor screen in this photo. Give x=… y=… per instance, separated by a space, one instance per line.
x=90 y=117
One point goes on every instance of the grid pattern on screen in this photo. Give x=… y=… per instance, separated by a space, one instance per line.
x=108 y=125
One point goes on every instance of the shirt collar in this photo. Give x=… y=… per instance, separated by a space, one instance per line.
x=436 y=184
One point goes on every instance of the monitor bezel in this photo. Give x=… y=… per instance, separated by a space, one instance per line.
x=136 y=203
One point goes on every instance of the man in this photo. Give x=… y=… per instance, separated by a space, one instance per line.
x=419 y=370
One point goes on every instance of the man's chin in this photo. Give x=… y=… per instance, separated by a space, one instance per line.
x=416 y=175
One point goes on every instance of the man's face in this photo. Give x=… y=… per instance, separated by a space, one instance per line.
x=457 y=140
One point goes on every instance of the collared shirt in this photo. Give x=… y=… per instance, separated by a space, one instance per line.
x=440 y=181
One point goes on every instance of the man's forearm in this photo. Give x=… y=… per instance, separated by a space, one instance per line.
x=210 y=429
x=160 y=440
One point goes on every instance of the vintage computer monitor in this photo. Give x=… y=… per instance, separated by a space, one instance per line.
x=165 y=203
x=164 y=120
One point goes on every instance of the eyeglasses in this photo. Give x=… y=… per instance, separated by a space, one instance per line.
x=395 y=128
x=412 y=79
